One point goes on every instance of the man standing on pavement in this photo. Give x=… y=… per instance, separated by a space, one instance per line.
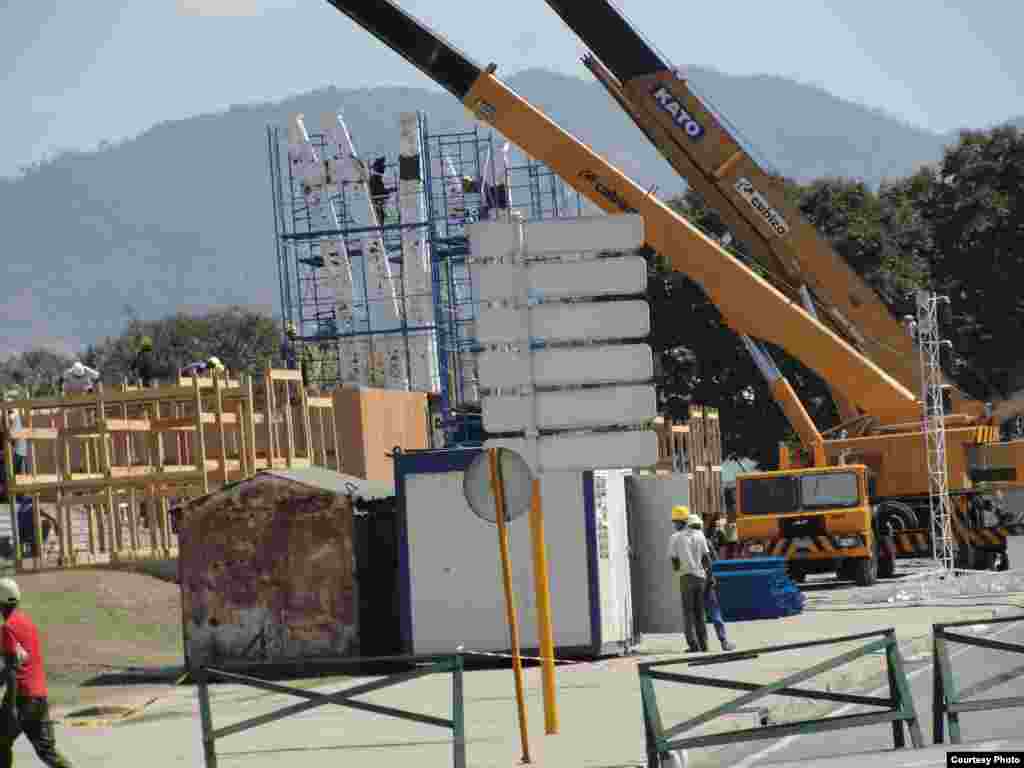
x=688 y=550
x=26 y=694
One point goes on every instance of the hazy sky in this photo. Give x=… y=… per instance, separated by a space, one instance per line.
x=77 y=73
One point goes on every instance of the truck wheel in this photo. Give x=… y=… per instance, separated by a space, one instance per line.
x=984 y=560
x=797 y=575
x=865 y=571
x=886 y=568
x=1004 y=561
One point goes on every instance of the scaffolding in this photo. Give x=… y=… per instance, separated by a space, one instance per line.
x=456 y=168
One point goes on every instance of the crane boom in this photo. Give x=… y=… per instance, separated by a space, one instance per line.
x=748 y=303
x=694 y=140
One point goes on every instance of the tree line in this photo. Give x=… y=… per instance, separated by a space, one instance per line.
x=246 y=341
x=955 y=227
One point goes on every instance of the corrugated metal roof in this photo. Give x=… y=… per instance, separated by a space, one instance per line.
x=329 y=480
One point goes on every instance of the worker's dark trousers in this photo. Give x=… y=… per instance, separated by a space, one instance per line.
x=38 y=729
x=714 y=611
x=694 y=626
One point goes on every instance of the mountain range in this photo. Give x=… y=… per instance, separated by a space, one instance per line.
x=180 y=217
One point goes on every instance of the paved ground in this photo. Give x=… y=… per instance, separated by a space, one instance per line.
x=599 y=705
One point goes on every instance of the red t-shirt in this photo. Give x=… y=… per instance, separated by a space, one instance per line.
x=20 y=629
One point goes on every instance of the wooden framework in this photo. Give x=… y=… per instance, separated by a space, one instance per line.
x=112 y=463
x=693 y=447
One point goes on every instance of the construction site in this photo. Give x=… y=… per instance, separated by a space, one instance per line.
x=486 y=290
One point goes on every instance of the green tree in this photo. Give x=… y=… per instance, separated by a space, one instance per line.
x=36 y=372
x=973 y=206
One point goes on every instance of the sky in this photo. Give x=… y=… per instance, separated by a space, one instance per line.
x=76 y=74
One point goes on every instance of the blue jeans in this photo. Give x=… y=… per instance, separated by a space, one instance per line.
x=714 y=612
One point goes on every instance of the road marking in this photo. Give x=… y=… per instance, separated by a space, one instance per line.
x=788 y=740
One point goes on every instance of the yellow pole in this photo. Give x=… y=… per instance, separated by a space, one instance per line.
x=498 y=488
x=544 y=631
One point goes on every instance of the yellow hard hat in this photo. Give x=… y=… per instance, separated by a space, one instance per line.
x=146 y=343
x=680 y=512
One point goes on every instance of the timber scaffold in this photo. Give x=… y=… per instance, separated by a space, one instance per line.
x=105 y=469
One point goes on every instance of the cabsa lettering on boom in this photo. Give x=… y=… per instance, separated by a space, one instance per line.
x=668 y=103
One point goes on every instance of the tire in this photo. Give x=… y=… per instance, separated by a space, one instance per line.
x=984 y=560
x=894 y=517
x=964 y=557
x=865 y=570
x=1004 y=561
x=797 y=576
x=886 y=568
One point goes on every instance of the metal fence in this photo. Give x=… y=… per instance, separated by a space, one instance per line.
x=344 y=698
x=898 y=707
x=947 y=702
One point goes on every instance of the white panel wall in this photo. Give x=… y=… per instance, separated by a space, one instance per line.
x=656 y=598
x=616 y=615
x=455 y=568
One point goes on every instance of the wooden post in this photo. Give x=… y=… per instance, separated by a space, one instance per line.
x=37 y=533
x=200 y=438
x=250 y=422
x=289 y=427
x=269 y=418
x=218 y=409
x=304 y=403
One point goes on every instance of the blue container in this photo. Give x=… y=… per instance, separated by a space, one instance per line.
x=756 y=588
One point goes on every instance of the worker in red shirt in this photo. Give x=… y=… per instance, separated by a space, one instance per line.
x=26 y=693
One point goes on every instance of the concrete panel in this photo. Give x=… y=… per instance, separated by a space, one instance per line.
x=571 y=409
x=587 y=451
x=656 y=597
x=571 y=365
x=455 y=568
x=562 y=279
x=565 y=322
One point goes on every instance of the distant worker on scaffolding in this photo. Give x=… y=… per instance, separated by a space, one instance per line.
x=291 y=335
x=379 y=191
x=210 y=365
x=79 y=378
x=144 y=365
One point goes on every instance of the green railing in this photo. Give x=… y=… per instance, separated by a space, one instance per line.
x=898 y=706
x=947 y=703
x=344 y=698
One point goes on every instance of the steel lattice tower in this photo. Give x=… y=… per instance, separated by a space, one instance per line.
x=929 y=345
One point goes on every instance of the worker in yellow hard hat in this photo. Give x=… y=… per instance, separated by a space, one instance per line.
x=144 y=365
x=691 y=561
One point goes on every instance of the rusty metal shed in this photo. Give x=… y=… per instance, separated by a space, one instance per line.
x=268 y=566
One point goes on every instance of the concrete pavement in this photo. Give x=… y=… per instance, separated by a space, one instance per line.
x=599 y=707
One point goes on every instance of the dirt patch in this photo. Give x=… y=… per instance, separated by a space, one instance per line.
x=98 y=620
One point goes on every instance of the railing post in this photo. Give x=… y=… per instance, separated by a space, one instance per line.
x=938 y=690
x=652 y=722
x=206 y=717
x=458 y=715
x=945 y=669
x=906 y=701
x=898 y=737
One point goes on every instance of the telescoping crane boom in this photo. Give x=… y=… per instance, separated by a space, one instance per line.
x=748 y=303
x=699 y=146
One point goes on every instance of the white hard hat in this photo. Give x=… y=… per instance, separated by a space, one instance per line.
x=695 y=521
x=9 y=592
x=215 y=362
x=78 y=369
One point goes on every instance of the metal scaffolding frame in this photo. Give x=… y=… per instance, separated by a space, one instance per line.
x=451 y=161
x=930 y=344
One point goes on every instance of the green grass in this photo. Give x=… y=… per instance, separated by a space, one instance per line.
x=53 y=610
